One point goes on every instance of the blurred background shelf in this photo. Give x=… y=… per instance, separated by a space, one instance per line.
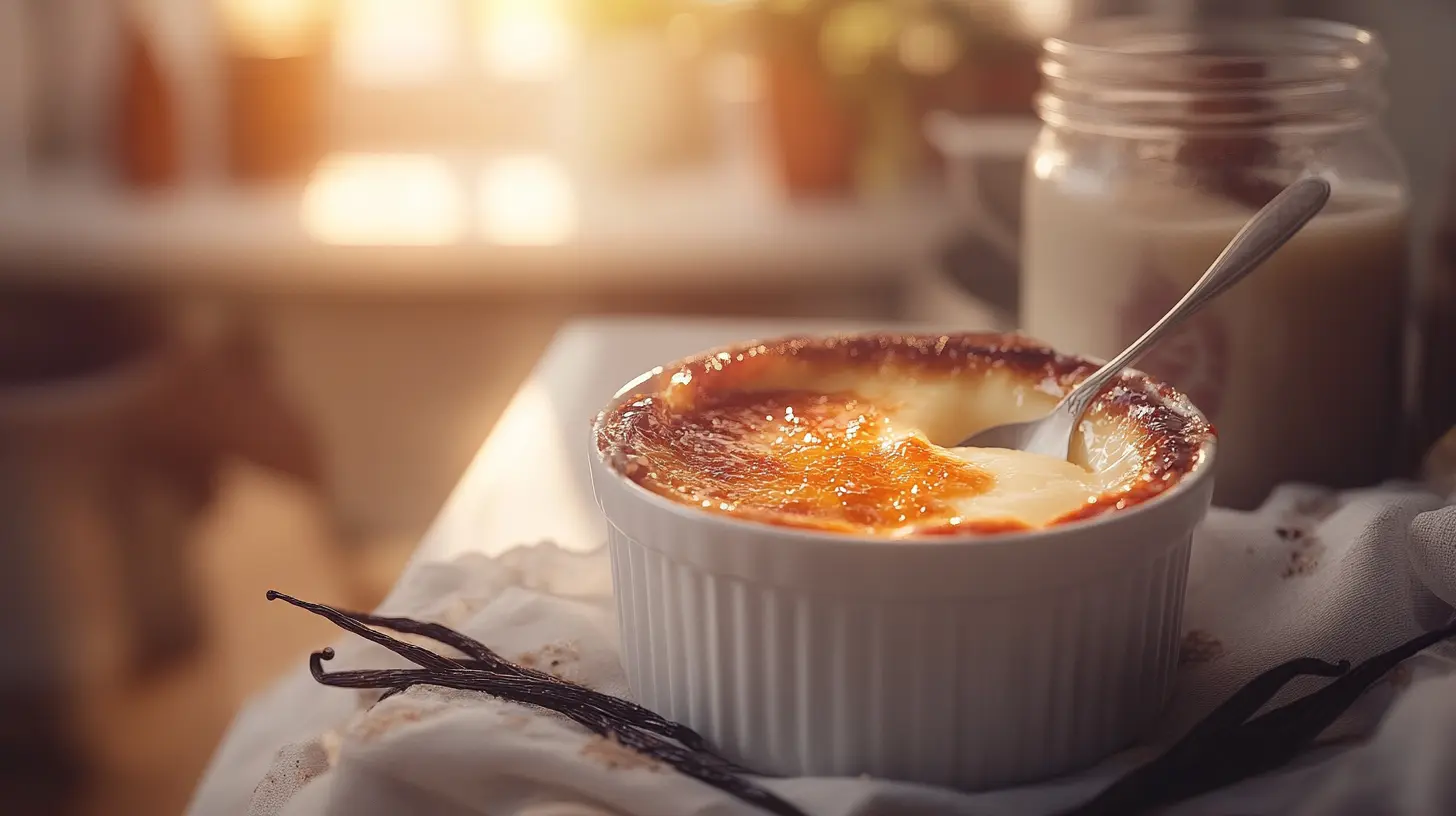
x=705 y=228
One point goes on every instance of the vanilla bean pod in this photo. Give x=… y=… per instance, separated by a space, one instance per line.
x=439 y=632
x=556 y=695
x=414 y=654
x=1290 y=728
x=1164 y=779
x=1255 y=694
x=644 y=718
x=482 y=657
x=1221 y=750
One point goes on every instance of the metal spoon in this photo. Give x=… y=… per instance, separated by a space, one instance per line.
x=1269 y=229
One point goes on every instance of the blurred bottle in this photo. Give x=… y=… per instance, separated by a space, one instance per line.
x=148 y=154
x=276 y=59
x=178 y=70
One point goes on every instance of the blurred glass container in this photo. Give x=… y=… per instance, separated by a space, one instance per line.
x=635 y=100
x=1158 y=143
x=76 y=50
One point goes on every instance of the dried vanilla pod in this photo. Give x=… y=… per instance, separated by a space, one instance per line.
x=483 y=658
x=1223 y=749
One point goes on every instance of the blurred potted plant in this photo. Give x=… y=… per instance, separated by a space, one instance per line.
x=635 y=101
x=849 y=80
x=813 y=137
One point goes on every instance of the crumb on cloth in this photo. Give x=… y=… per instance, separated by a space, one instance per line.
x=394 y=714
x=293 y=767
x=553 y=658
x=1199 y=646
x=1304 y=558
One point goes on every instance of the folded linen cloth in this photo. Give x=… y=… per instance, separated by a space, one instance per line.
x=1311 y=574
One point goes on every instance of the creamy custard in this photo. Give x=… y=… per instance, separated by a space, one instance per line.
x=1030 y=488
x=854 y=438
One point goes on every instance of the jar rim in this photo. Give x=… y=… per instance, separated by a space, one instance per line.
x=1141 y=71
x=1145 y=38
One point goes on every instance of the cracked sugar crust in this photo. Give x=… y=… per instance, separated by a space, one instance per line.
x=824 y=433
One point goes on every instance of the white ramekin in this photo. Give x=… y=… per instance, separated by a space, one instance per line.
x=970 y=663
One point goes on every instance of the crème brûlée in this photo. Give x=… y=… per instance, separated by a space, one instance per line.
x=854 y=434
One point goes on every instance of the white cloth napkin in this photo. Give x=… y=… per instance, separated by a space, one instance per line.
x=1312 y=573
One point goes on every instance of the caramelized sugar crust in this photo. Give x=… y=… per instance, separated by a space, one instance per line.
x=816 y=460
x=704 y=434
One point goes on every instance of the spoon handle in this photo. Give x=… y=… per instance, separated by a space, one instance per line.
x=1267 y=231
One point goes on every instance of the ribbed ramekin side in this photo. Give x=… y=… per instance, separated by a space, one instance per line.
x=972 y=693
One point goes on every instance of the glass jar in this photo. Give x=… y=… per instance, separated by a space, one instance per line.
x=1158 y=143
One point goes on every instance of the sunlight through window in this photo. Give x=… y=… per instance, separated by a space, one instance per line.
x=1042 y=18
x=392 y=43
x=273 y=28
x=527 y=201
x=525 y=40
x=384 y=200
